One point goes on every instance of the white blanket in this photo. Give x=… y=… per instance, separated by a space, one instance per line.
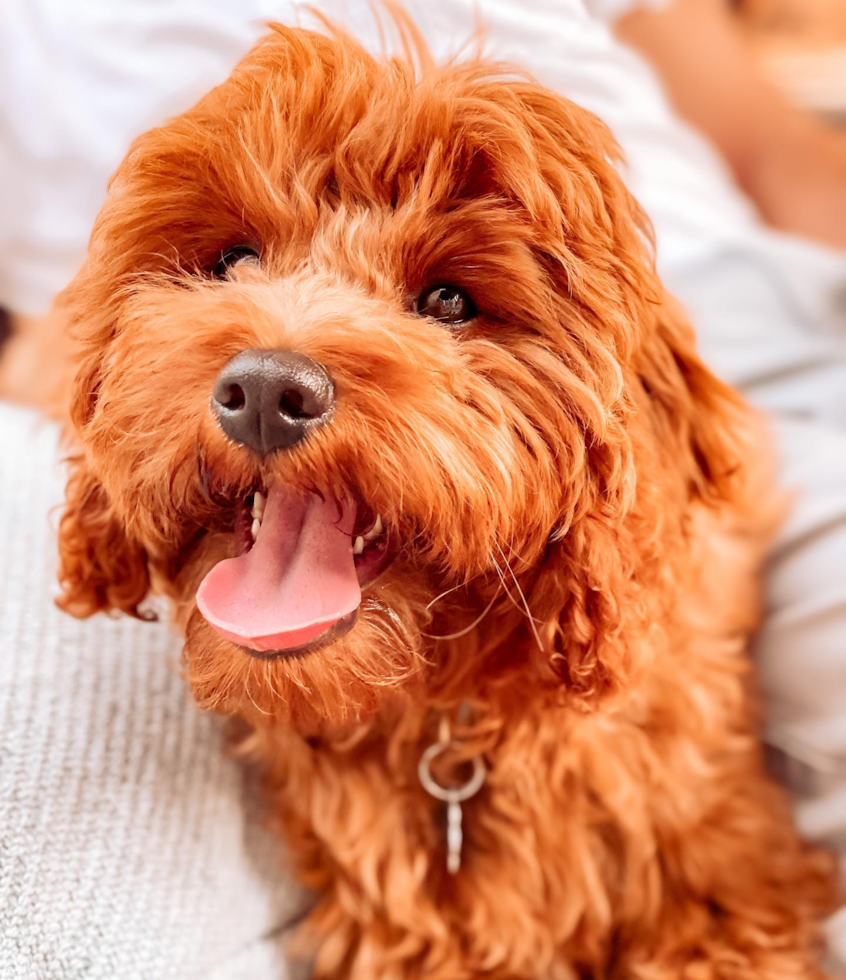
x=129 y=844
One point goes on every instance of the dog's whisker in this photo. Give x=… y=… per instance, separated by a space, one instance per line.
x=467 y=629
x=517 y=557
x=532 y=620
x=507 y=591
x=515 y=580
x=438 y=598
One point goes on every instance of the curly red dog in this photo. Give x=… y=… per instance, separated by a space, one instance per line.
x=379 y=386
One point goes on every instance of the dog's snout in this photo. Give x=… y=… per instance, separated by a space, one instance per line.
x=269 y=399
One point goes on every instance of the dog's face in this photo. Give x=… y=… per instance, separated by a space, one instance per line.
x=369 y=361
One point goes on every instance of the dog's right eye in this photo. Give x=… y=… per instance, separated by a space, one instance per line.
x=447 y=304
x=233 y=256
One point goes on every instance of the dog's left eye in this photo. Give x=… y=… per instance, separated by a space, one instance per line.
x=233 y=256
x=447 y=304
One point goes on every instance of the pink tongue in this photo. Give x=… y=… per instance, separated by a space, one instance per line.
x=296 y=581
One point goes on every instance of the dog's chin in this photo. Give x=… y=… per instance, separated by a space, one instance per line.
x=344 y=674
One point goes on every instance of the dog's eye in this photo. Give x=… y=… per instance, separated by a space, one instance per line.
x=233 y=256
x=447 y=304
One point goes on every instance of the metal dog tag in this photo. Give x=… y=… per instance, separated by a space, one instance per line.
x=453 y=797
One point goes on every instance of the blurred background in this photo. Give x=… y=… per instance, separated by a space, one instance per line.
x=801 y=45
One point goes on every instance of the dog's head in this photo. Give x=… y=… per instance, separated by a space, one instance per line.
x=379 y=385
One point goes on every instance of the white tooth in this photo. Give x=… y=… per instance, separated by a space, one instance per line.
x=358 y=545
x=255 y=529
x=376 y=530
x=258 y=505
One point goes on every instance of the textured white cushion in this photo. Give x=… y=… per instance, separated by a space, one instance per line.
x=129 y=844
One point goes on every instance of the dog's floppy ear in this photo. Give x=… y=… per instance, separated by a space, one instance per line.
x=559 y=164
x=599 y=246
x=600 y=578
x=700 y=420
x=101 y=567
x=671 y=434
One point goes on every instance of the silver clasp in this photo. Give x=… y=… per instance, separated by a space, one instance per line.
x=452 y=796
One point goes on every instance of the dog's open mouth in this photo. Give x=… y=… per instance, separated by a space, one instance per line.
x=301 y=562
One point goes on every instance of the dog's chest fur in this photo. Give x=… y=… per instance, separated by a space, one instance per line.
x=562 y=845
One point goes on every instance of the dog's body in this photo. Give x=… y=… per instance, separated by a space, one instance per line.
x=573 y=521
x=644 y=841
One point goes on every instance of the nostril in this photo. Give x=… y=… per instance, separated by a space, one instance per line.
x=292 y=405
x=268 y=399
x=232 y=397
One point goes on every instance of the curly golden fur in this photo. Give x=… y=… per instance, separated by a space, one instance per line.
x=576 y=503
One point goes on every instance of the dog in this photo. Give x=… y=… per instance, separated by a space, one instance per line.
x=378 y=384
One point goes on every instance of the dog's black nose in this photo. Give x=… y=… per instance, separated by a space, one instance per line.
x=269 y=399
